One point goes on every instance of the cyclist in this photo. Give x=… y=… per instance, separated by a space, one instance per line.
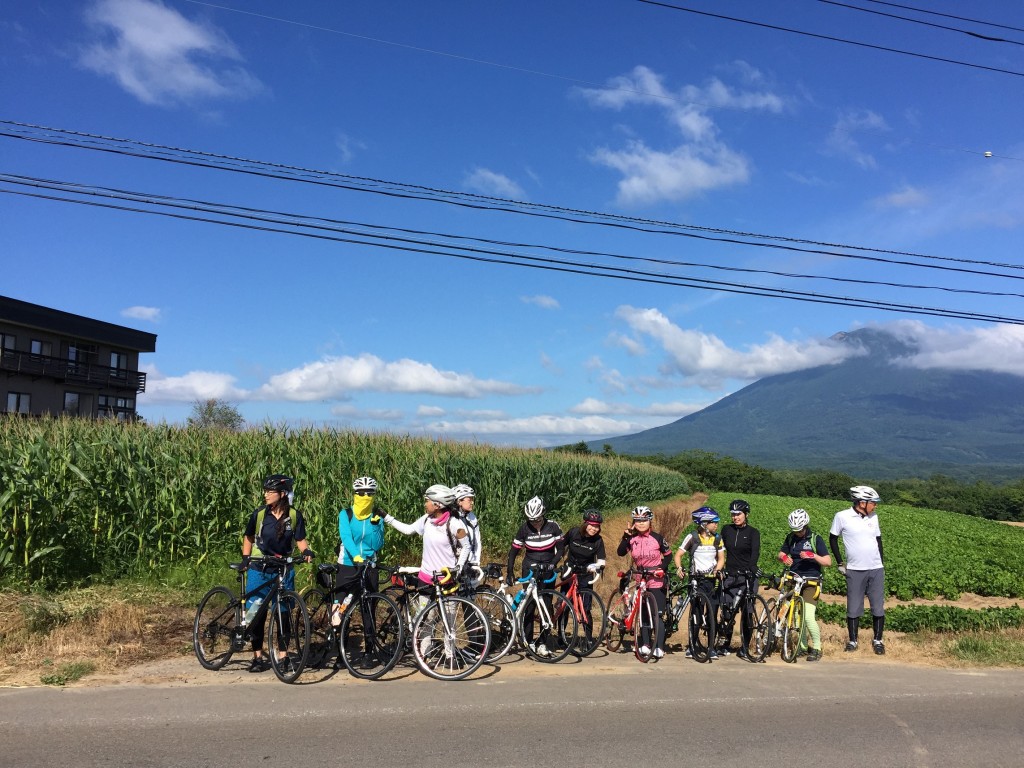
x=742 y=549
x=804 y=553
x=361 y=534
x=864 y=572
x=445 y=545
x=648 y=550
x=465 y=500
x=542 y=540
x=707 y=559
x=584 y=549
x=276 y=528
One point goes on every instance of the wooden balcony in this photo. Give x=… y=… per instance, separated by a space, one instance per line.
x=71 y=371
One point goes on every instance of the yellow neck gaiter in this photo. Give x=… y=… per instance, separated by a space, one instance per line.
x=362 y=506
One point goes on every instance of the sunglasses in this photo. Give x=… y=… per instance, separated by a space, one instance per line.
x=364 y=493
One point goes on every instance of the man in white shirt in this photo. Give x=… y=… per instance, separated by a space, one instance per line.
x=864 y=571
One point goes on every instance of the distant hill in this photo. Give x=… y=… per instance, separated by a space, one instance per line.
x=867 y=416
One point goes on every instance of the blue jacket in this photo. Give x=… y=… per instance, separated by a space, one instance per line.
x=360 y=537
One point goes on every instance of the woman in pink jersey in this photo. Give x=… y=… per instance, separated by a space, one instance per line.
x=648 y=550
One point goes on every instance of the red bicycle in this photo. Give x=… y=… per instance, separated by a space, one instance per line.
x=591 y=615
x=634 y=612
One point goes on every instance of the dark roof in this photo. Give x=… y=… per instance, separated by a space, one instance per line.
x=76 y=326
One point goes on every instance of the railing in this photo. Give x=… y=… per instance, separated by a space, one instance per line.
x=89 y=374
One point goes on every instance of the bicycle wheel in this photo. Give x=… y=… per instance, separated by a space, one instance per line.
x=288 y=631
x=450 y=638
x=793 y=634
x=371 y=636
x=216 y=631
x=502 y=619
x=773 y=624
x=618 y=610
x=646 y=621
x=701 y=632
x=759 y=629
x=593 y=623
x=554 y=640
x=322 y=636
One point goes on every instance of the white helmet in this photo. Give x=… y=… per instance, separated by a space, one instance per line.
x=440 y=494
x=864 y=493
x=463 y=491
x=364 y=484
x=534 y=509
x=642 y=513
x=799 y=519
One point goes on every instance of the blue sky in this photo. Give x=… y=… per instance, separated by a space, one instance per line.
x=620 y=107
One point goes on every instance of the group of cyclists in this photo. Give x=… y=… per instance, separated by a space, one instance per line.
x=723 y=563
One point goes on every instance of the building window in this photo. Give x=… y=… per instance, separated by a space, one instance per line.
x=41 y=348
x=19 y=402
x=72 y=402
x=81 y=353
x=119 y=362
x=120 y=408
x=7 y=341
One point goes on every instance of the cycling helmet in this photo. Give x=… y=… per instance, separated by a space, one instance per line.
x=463 y=491
x=799 y=519
x=705 y=515
x=593 y=516
x=864 y=493
x=365 y=484
x=281 y=483
x=534 y=509
x=440 y=494
x=643 y=513
x=739 y=505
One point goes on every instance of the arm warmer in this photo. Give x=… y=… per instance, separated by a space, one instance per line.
x=407 y=528
x=880 y=556
x=833 y=544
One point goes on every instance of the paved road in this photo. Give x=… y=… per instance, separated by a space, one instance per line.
x=602 y=713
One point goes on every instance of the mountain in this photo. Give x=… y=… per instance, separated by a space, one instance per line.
x=869 y=416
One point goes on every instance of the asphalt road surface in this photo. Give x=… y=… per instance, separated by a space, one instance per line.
x=603 y=712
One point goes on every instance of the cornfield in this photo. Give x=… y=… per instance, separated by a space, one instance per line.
x=103 y=500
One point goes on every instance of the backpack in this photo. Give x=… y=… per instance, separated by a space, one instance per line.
x=261 y=515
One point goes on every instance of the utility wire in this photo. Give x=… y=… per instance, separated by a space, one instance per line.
x=332 y=222
x=134 y=148
x=925 y=23
x=476 y=254
x=946 y=15
x=831 y=38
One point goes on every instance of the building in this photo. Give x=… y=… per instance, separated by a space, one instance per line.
x=54 y=362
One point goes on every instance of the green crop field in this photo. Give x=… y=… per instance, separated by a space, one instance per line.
x=102 y=500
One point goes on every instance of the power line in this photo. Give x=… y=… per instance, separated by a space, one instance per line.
x=266 y=169
x=967 y=32
x=483 y=255
x=946 y=15
x=831 y=38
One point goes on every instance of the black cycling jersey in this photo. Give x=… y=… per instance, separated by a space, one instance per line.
x=742 y=548
x=583 y=550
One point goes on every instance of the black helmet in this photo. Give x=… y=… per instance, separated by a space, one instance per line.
x=739 y=505
x=281 y=483
x=593 y=516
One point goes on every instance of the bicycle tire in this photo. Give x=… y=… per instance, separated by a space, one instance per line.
x=793 y=635
x=646 y=618
x=502 y=619
x=618 y=610
x=761 y=629
x=323 y=637
x=592 y=623
x=294 y=637
x=559 y=640
x=674 y=614
x=453 y=655
x=370 y=638
x=700 y=634
x=215 y=630
x=773 y=621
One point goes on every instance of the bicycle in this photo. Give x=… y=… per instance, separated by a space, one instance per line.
x=788 y=613
x=449 y=636
x=589 y=609
x=221 y=628
x=496 y=607
x=753 y=619
x=366 y=635
x=634 y=611
x=701 y=623
x=545 y=646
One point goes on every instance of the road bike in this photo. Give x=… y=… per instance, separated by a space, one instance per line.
x=702 y=624
x=634 y=612
x=221 y=627
x=588 y=607
x=363 y=632
x=787 y=611
x=755 y=619
x=496 y=606
x=535 y=606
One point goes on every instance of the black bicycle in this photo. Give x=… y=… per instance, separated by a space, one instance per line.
x=755 y=618
x=363 y=631
x=222 y=628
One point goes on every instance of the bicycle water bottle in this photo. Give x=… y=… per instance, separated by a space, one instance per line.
x=253 y=609
x=338 y=610
x=518 y=598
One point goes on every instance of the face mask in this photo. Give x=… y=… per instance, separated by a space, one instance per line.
x=362 y=506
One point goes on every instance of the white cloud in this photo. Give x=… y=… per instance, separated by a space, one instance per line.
x=332 y=378
x=430 y=411
x=347 y=146
x=543 y=424
x=706 y=360
x=162 y=58
x=905 y=197
x=632 y=346
x=487 y=182
x=703 y=161
x=151 y=314
x=367 y=414
x=994 y=348
x=843 y=141
x=542 y=301
x=593 y=406
x=194 y=385
x=550 y=365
